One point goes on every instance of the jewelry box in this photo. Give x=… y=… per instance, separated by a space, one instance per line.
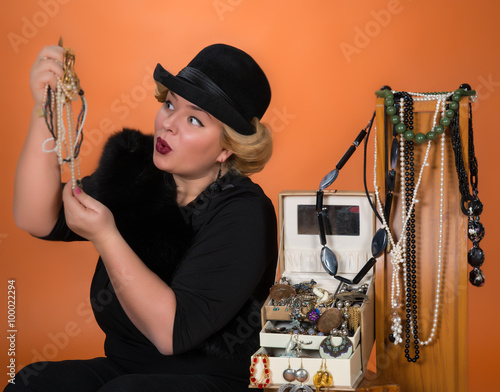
x=350 y=238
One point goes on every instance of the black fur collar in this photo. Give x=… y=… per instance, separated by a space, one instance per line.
x=142 y=199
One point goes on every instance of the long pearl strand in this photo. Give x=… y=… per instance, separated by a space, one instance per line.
x=439 y=268
x=397 y=327
x=397 y=255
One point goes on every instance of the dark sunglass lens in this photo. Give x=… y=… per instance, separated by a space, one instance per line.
x=329 y=261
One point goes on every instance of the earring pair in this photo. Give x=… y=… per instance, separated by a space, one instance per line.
x=290 y=375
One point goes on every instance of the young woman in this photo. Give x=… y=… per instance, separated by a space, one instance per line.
x=187 y=242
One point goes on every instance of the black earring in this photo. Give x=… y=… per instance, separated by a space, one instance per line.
x=219 y=174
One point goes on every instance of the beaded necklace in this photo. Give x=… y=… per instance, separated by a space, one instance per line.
x=409 y=243
x=67 y=135
x=474 y=208
x=404 y=249
x=265 y=378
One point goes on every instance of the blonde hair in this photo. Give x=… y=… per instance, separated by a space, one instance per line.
x=250 y=153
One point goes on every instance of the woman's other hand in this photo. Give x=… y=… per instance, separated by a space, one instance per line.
x=88 y=217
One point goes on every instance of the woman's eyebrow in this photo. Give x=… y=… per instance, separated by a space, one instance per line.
x=192 y=106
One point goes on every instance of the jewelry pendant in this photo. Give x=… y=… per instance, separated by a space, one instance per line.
x=328 y=350
x=301 y=387
x=379 y=242
x=330 y=319
x=476 y=277
x=322 y=378
x=285 y=388
x=292 y=344
x=329 y=179
x=329 y=261
x=394 y=152
x=476 y=230
x=476 y=207
x=475 y=257
x=301 y=375
x=289 y=373
x=281 y=291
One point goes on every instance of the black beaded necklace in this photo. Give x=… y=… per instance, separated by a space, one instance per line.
x=411 y=253
x=471 y=206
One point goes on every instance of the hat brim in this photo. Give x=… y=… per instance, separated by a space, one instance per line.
x=211 y=103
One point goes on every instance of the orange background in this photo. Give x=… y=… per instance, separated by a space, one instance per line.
x=324 y=60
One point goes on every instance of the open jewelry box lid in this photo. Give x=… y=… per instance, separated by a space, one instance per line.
x=352 y=230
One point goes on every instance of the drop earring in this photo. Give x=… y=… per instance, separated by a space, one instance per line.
x=219 y=174
x=289 y=376
x=301 y=375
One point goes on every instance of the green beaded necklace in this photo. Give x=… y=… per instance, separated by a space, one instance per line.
x=437 y=129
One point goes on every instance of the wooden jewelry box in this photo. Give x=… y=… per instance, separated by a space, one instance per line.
x=352 y=230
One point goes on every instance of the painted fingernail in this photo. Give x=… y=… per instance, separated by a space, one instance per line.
x=78 y=190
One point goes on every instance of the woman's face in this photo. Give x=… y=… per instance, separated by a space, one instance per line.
x=187 y=140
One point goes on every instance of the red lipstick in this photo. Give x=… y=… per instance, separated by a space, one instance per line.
x=162 y=146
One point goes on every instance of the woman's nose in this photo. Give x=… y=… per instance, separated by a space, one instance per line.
x=171 y=123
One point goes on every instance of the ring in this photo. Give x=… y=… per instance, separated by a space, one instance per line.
x=48 y=58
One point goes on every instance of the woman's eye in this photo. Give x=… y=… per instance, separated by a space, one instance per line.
x=169 y=105
x=195 y=121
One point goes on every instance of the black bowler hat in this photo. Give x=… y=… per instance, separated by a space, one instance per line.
x=224 y=81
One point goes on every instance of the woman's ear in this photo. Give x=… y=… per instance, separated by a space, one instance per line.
x=224 y=155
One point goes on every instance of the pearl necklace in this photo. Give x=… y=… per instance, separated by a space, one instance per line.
x=68 y=139
x=398 y=251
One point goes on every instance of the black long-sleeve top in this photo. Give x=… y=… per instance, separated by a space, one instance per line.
x=218 y=254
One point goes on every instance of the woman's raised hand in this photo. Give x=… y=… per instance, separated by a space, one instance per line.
x=47 y=65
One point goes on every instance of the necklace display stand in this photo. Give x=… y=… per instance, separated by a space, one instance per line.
x=442 y=365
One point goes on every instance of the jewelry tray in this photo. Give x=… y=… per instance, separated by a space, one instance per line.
x=299 y=261
x=345 y=372
x=281 y=340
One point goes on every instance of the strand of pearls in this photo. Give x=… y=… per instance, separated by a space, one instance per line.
x=397 y=255
x=397 y=262
x=429 y=97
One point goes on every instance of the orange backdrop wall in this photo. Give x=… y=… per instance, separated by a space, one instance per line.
x=324 y=59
